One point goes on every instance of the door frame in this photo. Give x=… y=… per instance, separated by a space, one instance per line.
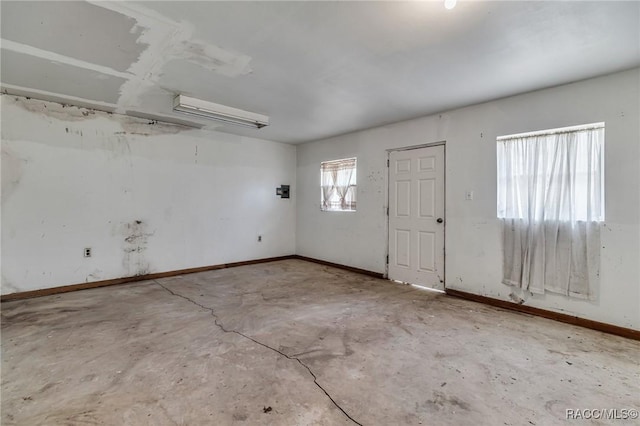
x=388 y=203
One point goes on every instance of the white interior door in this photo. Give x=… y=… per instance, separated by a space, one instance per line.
x=416 y=216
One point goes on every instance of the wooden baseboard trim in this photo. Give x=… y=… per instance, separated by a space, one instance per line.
x=629 y=333
x=124 y=280
x=569 y=319
x=339 y=266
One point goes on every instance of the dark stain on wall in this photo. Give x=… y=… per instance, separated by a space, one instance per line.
x=55 y=110
x=12 y=170
x=136 y=239
x=150 y=127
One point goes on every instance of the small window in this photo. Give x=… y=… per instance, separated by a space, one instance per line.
x=338 y=185
x=552 y=175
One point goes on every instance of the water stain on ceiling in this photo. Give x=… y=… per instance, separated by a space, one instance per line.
x=318 y=69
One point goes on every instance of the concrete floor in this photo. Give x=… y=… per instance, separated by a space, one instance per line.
x=296 y=343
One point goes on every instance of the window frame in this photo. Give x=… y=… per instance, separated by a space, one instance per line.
x=501 y=185
x=351 y=190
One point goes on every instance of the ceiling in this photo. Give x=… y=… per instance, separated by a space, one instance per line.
x=318 y=69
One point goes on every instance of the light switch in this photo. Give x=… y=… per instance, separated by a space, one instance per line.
x=468 y=195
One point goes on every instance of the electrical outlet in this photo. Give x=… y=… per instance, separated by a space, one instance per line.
x=259 y=238
x=87 y=252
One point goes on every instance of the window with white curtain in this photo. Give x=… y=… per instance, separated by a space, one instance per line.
x=551 y=203
x=338 y=184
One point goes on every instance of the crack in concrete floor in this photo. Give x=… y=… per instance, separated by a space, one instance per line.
x=292 y=358
x=387 y=353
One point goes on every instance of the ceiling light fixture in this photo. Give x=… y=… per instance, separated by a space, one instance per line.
x=225 y=114
x=450 y=4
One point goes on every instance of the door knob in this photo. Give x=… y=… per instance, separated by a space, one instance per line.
x=439 y=220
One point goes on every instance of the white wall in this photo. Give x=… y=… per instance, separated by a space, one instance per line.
x=72 y=178
x=473 y=247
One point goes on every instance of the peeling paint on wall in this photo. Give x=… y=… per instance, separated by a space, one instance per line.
x=54 y=110
x=136 y=240
x=84 y=181
x=116 y=142
x=133 y=126
x=96 y=275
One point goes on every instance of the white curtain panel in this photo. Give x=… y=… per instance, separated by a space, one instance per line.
x=551 y=203
x=328 y=187
x=338 y=181
x=344 y=180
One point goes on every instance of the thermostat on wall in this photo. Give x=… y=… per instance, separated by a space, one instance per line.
x=283 y=191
